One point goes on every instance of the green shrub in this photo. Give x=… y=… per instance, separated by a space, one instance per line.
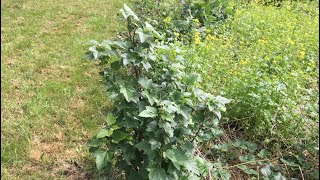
x=160 y=116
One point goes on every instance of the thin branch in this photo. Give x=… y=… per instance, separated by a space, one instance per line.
x=301 y=173
x=197 y=132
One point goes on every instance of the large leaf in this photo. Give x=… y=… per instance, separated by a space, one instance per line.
x=151 y=99
x=154 y=32
x=127 y=12
x=149 y=112
x=152 y=126
x=170 y=154
x=102 y=158
x=157 y=173
x=179 y=157
x=105 y=132
x=128 y=92
x=119 y=136
x=145 y=82
x=166 y=116
x=142 y=35
x=144 y=146
x=110 y=119
x=167 y=128
x=95 y=143
x=155 y=144
x=222 y=100
x=191 y=79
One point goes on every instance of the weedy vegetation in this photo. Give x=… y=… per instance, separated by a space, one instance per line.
x=211 y=90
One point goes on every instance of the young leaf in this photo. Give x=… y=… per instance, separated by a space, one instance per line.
x=149 y=112
x=155 y=144
x=104 y=133
x=110 y=119
x=166 y=116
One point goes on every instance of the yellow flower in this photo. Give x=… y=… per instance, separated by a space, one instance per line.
x=244 y=62
x=289 y=24
x=262 y=41
x=211 y=37
x=167 y=19
x=301 y=54
x=196 y=22
x=197 y=39
x=290 y=41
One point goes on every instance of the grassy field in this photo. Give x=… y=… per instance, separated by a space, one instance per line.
x=51 y=102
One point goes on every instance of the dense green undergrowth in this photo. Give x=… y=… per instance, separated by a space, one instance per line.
x=264 y=58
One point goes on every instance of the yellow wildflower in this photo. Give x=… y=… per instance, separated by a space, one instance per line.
x=301 y=54
x=167 y=19
x=196 y=22
x=289 y=24
x=197 y=39
x=290 y=41
x=211 y=37
x=244 y=62
x=262 y=41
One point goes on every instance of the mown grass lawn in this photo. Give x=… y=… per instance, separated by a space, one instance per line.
x=51 y=102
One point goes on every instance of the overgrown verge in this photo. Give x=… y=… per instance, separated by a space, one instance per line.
x=159 y=108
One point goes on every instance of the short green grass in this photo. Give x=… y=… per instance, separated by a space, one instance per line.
x=51 y=100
